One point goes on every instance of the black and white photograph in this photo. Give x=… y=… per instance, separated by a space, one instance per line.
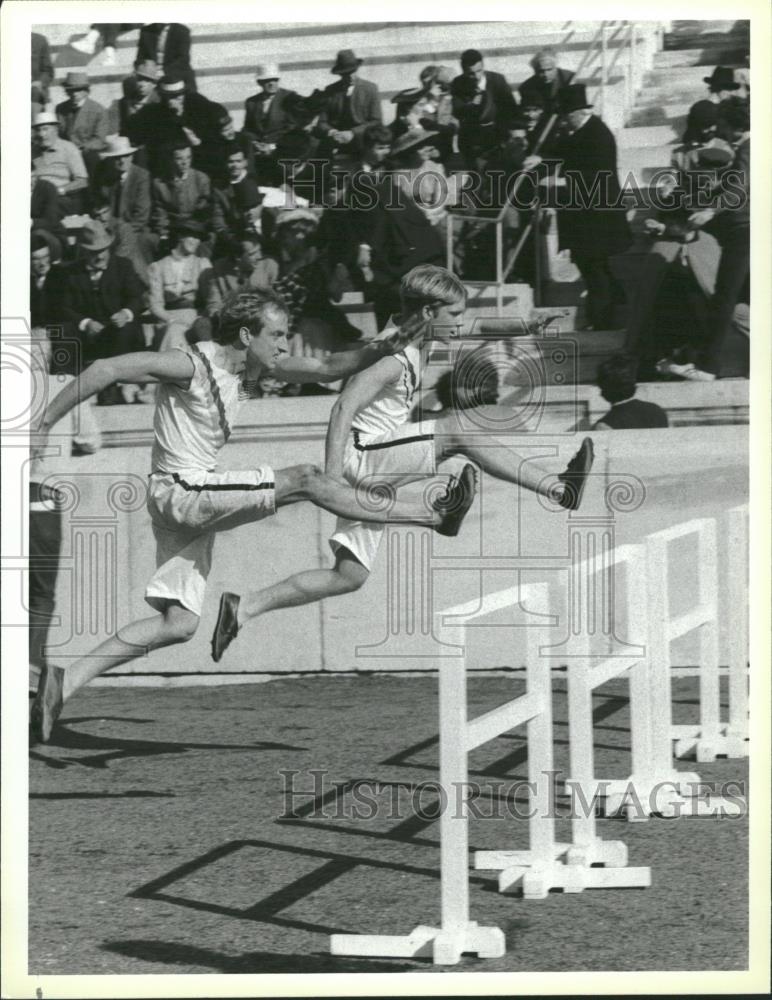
x=385 y=451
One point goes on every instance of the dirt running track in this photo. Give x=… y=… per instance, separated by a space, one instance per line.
x=156 y=844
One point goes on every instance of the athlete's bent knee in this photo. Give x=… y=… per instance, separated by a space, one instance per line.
x=181 y=624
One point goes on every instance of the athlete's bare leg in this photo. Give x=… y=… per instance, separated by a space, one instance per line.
x=498 y=460
x=347 y=575
x=175 y=624
x=308 y=482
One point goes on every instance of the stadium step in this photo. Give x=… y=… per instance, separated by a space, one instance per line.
x=646 y=136
x=645 y=115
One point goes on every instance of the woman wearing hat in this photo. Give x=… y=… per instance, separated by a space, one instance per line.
x=417 y=168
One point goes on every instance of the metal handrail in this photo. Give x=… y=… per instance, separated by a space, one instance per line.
x=503 y=270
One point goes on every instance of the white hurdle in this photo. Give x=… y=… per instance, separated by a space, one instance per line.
x=708 y=738
x=548 y=864
x=457 y=933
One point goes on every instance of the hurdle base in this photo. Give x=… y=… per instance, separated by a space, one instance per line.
x=537 y=877
x=670 y=795
x=443 y=946
x=706 y=748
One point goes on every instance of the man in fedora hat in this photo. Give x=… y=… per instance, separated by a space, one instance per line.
x=350 y=105
x=125 y=185
x=175 y=284
x=702 y=119
x=168 y=45
x=482 y=102
x=591 y=221
x=139 y=90
x=82 y=120
x=180 y=115
x=267 y=114
x=102 y=297
x=60 y=162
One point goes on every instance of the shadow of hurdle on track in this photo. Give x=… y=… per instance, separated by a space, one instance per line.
x=173 y=953
x=269 y=909
x=100 y=751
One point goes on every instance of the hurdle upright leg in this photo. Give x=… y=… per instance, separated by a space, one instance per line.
x=737 y=599
x=457 y=934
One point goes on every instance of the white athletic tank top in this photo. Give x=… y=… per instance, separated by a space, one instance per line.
x=191 y=425
x=391 y=407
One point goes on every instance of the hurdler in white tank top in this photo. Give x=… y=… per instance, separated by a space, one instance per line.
x=391 y=407
x=191 y=425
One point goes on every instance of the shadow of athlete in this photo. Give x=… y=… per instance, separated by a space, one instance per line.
x=199 y=395
x=369 y=437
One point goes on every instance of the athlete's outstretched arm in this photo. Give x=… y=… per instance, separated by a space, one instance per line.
x=360 y=391
x=344 y=363
x=142 y=366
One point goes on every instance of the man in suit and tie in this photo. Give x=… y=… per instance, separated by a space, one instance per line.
x=350 y=105
x=125 y=185
x=102 y=298
x=267 y=114
x=483 y=103
x=168 y=45
x=236 y=203
x=81 y=120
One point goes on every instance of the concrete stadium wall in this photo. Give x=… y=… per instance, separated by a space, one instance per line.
x=108 y=554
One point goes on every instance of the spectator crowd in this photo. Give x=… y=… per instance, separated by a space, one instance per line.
x=146 y=213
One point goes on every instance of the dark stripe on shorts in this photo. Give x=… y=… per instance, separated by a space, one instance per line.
x=390 y=444
x=215 y=390
x=200 y=487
